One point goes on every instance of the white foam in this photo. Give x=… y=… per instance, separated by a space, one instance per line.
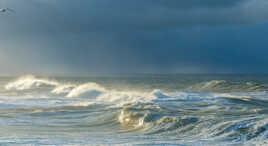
x=158 y=93
x=94 y=93
x=212 y=83
x=130 y=120
x=122 y=98
x=63 y=89
x=86 y=90
x=226 y=95
x=98 y=94
x=82 y=104
x=29 y=82
x=87 y=93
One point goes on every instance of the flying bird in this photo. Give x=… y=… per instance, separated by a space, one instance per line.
x=3 y=10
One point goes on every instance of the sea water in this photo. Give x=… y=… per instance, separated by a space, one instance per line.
x=134 y=110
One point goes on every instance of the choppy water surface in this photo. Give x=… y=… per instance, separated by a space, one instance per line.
x=134 y=110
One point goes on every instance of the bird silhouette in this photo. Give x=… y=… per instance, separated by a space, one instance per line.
x=3 y=10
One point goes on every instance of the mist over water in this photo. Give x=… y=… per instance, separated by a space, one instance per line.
x=134 y=110
x=142 y=53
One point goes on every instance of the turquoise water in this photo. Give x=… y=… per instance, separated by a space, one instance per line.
x=134 y=110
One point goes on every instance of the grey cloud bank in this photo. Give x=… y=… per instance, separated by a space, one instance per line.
x=105 y=15
x=152 y=36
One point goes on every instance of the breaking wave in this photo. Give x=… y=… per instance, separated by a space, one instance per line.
x=88 y=91
x=236 y=126
x=211 y=111
x=30 y=82
x=63 y=89
x=94 y=93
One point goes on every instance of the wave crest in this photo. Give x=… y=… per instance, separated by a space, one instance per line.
x=225 y=86
x=63 y=89
x=29 y=82
x=86 y=90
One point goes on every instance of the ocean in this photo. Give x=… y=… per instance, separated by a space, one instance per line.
x=186 y=110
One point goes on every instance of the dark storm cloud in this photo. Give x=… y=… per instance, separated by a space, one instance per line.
x=156 y=14
x=106 y=15
x=159 y=36
x=189 y=4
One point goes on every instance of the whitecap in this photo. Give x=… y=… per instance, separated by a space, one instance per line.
x=29 y=82
x=86 y=90
x=63 y=89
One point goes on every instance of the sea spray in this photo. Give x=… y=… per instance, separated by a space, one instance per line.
x=88 y=111
x=29 y=82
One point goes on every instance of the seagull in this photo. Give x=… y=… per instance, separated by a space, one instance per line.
x=3 y=10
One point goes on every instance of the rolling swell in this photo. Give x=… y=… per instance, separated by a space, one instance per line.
x=240 y=125
x=29 y=82
x=207 y=114
x=227 y=86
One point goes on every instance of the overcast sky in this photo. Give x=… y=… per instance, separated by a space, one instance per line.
x=85 y=37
